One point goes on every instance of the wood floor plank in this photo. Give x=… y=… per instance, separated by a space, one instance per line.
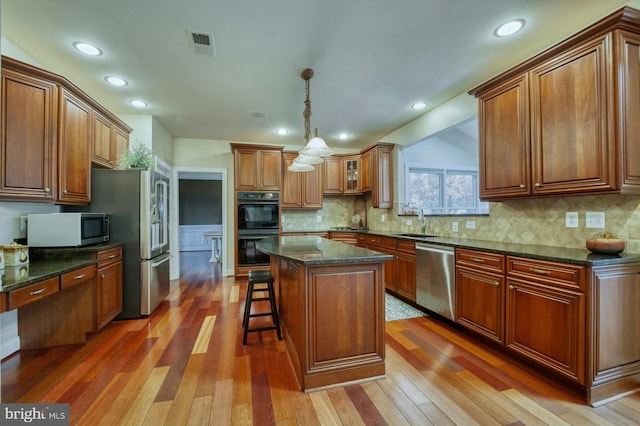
x=402 y=400
x=325 y=410
x=221 y=408
x=200 y=411
x=157 y=414
x=531 y=406
x=347 y=412
x=204 y=336
x=139 y=408
x=385 y=406
x=182 y=401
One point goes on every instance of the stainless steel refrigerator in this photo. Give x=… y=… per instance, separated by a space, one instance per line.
x=138 y=202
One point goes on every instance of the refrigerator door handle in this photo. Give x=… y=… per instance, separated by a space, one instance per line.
x=156 y=264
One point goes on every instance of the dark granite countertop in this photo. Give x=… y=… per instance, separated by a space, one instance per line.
x=558 y=254
x=312 y=250
x=45 y=263
x=15 y=277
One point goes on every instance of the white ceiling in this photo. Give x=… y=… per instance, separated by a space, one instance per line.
x=372 y=58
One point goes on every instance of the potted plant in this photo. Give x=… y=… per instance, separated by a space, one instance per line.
x=138 y=156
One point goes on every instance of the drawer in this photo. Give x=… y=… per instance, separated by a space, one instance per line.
x=78 y=276
x=33 y=292
x=562 y=274
x=406 y=246
x=491 y=262
x=373 y=240
x=109 y=256
x=388 y=242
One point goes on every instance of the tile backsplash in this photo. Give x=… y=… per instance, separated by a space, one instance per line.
x=528 y=221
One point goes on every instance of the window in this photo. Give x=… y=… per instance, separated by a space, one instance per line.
x=444 y=191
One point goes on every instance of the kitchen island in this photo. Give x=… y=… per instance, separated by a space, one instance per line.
x=331 y=306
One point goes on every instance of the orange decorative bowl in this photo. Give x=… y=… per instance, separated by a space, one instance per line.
x=605 y=243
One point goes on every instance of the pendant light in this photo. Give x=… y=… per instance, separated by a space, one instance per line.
x=315 y=147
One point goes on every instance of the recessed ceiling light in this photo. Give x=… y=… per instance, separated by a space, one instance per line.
x=509 y=28
x=116 y=81
x=418 y=105
x=343 y=136
x=138 y=103
x=87 y=48
x=281 y=132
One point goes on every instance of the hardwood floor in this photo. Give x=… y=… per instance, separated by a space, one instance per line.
x=186 y=364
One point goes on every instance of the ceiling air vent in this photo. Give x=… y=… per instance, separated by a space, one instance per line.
x=202 y=43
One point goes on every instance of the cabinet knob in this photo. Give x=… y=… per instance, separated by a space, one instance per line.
x=537 y=185
x=510 y=287
x=47 y=190
x=522 y=185
x=102 y=276
x=65 y=191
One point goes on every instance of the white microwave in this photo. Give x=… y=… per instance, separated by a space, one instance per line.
x=67 y=229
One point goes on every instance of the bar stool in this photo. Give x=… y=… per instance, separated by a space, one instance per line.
x=260 y=277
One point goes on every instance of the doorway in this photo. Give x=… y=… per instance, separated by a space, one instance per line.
x=201 y=219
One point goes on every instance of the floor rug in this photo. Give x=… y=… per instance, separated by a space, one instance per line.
x=397 y=310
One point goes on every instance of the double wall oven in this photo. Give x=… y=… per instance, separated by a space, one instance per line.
x=258 y=217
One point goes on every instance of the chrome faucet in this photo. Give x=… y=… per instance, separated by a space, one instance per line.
x=423 y=221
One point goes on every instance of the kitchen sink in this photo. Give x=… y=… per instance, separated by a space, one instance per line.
x=410 y=235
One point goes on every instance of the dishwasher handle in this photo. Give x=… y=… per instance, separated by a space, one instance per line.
x=434 y=248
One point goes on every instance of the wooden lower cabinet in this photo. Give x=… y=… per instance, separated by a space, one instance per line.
x=344 y=237
x=108 y=299
x=480 y=302
x=547 y=325
x=400 y=272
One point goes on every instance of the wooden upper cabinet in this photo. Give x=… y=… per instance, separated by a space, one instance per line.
x=503 y=117
x=332 y=175
x=572 y=126
x=110 y=141
x=74 y=149
x=300 y=189
x=257 y=167
x=101 y=140
x=629 y=110
x=352 y=172
x=564 y=122
x=379 y=171
x=365 y=175
x=28 y=142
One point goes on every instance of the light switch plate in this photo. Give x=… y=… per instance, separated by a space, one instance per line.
x=471 y=224
x=595 y=220
x=454 y=226
x=382 y=218
x=409 y=222
x=571 y=220
x=318 y=218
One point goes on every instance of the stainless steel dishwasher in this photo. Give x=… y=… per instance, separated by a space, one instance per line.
x=435 y=279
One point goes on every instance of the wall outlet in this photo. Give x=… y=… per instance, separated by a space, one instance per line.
x=571 y=219
x=471 y=224
x=381 y=218
x=318 y=218
x=595 y=219
x=409 y=222
x=454 y=226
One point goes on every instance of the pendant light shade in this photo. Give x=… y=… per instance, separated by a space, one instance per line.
x=316 y=147
x=307 y=159
x=299 y=167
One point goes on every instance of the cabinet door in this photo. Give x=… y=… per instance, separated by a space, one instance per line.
x=503 y=117
x=119 y=144
x=246 y=169
x=290 y=194
x=629 y=107
x=27 y=147
x=332 y=175
x=312 y=188
x=101 y=140
x=480 y=302
x=270 y=170
x=365 y=175
x=547 y=325
x=406 y=275
x=382 y=185
x=352 y=175
x=74 y=150
x=572 y=121
x=108 y=294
